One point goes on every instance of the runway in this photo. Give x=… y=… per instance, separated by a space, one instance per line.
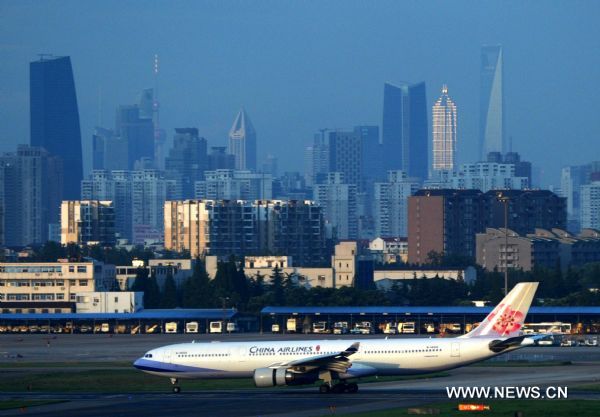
x=289 y=402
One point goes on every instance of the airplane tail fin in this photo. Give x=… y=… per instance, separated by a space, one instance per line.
x=506 y=320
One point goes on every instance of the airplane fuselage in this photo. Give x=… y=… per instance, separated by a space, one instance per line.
x=374 y=356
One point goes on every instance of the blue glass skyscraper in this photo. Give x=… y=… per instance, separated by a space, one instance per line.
x=404 y=130
x=491 y=107
x=54 y=117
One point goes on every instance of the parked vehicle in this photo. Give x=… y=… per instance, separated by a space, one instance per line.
x=408 y=327
x=191 y=327
x=591 y=342
x=152 y=328
x=363 y=327
x=320 y=327
x=232 y=327
x=390 y=328
x=171 y=327
x=568 y=343
x=429 y=328
x=84 y=328
x=292 y=325
x=340 y=327
x=215 y=327
x=275 y=328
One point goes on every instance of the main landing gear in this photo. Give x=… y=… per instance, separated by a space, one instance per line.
x=176 y=388
x=339 y=388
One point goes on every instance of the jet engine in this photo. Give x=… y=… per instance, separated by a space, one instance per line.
x=270 y=377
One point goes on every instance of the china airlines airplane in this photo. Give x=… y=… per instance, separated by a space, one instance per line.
x=339 y=363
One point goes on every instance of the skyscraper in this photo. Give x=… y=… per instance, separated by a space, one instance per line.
x=345 y=155
x=137 y=132
x=187 y=161
x=242 y=142
x=404 y=130
x=491 y=101
x=54 y=117
x=444 y=133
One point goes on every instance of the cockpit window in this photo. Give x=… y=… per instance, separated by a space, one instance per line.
x=148 y=355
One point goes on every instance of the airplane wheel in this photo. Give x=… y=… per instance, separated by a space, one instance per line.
x=338 y=388
x=352 y=388
x=324 y=389
x=176 y=390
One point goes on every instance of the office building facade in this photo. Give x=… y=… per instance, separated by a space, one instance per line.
x=491 y=101
x=54 y=117
x=405 y=129
x=444 y=130
x=187 y=161
x=242 y=142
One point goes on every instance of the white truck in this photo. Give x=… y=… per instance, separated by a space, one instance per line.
x=320 y=327
x=171 y=327
x=362 y=327
x=408 y=327
x=191 y=327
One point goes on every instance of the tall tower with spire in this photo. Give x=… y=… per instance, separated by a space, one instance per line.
x=491 y=117
x=242 y=142
x=444 y=133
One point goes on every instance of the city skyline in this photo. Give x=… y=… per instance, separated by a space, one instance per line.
x=199 y=86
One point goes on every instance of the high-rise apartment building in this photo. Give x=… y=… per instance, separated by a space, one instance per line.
x=491 y=101
x=187 y=161
x=444 y=132
x=238 y=227
x=138 y=199
x=572 y=179
x=316 y=159
x=227 y=184
x=32 y=186
x=345 y=155
x=339 y=202
x=87 y=222
x=54 y=117
x=390 y=205
x=590 y=205
x=445 y=222
x=242 y=142
x=404 y=131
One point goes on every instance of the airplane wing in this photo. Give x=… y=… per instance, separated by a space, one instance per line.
x=335 y=362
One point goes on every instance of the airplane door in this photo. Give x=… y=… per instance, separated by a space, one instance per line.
x=455 y=349
x=242 y=354
x=167 y=356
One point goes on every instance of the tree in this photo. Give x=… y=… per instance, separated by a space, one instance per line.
x=276 y=287
x=169 y=295
x=152 y=293
x=197 y=289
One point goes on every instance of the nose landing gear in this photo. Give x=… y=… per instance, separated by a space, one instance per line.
x=176 y=388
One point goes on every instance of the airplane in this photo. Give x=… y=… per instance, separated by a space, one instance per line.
x=339 y=363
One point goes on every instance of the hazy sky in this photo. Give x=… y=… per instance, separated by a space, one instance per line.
x=300 y=66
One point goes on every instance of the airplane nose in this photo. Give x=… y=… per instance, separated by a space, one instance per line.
x=137 y=363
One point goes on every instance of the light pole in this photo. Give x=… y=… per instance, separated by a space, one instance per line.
x=504 y=199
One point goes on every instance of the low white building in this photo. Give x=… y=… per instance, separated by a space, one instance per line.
x=109 y=302
x=385 y=279
x=389 y=249
x=181 y=269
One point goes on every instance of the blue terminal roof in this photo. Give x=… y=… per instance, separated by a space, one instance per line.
x=420 y=310
x=171 y=314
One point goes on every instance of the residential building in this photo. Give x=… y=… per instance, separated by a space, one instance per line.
x=87 y=222
x=54 y=118
x=445 y=222
x=339 y=201
x=491 y=101
x=50 y=287
x=344 y=262
x=389 y=250
x=179 y=269
x=242 y=142
x=405 y=129
x=590 y=205
x=227 y=184
x=390 y=206
x=109 y=302
x=485 y=176
x=239 y=227
x=444 y=132
x=345 y=156
x=109 y=151
x=316 y=159
x=31 y=189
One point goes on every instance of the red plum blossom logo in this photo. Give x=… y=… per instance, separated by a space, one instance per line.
x=508 y=321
